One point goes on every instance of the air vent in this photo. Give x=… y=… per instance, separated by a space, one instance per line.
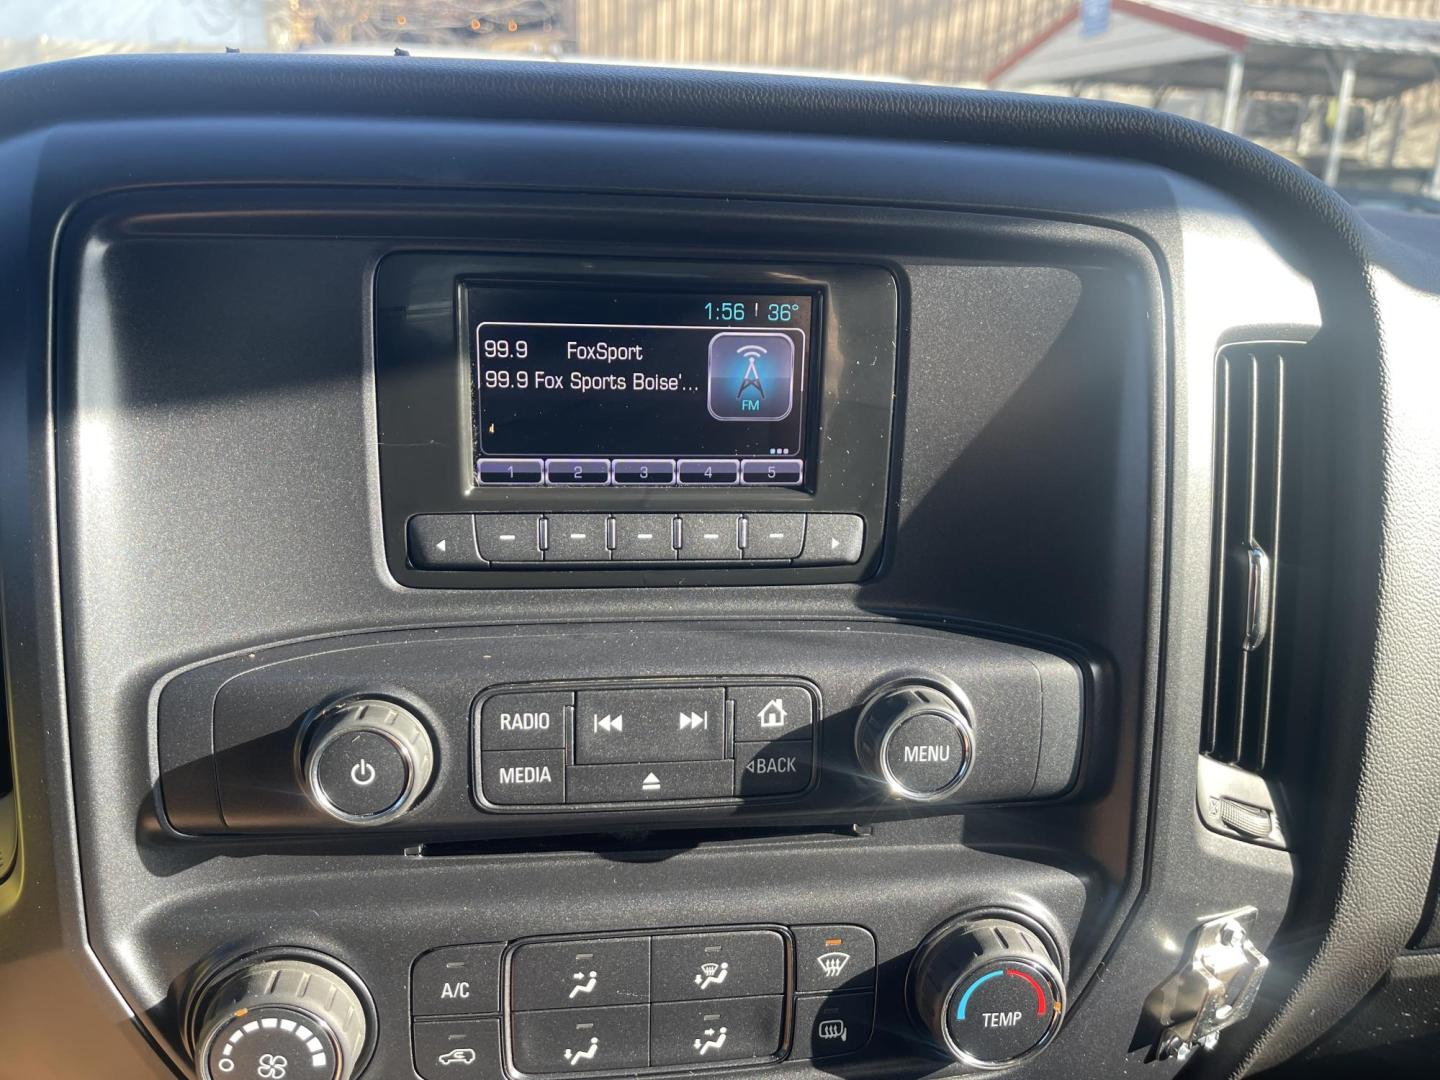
x=1249 y=437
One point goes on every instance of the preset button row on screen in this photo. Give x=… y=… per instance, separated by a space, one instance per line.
x=638 y=472
x=478 y=541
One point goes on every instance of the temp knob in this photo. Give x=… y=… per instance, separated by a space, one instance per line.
x=988 y=991
x=281 y=1019
x=366 y=761
x=916 y=740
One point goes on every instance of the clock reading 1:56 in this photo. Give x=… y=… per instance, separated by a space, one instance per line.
x=768 y=311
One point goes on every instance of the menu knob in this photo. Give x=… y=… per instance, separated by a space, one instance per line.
x=916 y=740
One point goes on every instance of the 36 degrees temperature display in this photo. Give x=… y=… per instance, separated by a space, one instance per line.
x=561 y=373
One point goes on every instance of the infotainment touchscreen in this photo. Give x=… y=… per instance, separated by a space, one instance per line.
x=582 y=386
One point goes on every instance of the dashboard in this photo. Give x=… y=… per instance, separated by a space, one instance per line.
x=524 y=571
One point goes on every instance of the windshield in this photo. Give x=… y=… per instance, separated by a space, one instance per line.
x=1345 y=88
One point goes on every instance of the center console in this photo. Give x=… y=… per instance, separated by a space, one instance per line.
x=547 y=634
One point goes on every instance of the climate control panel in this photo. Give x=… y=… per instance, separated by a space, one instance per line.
x=985 y=990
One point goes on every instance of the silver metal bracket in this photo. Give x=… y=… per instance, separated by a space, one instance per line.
x=1214 y=988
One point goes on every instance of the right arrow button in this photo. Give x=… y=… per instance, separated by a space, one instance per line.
x=832 y=540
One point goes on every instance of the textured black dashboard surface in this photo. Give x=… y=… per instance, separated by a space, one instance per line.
x=1370 y=869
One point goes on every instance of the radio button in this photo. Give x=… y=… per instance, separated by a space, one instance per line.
x=731 y=1029
x=772 y=471
x=459 y=981
x=508 y=538
x=709 y=471
x=658 y=782
x=577 y=471
x=582 y=1040
x=523 y=777
x=644 y=538
x=649 y=472
x=774 y=536
x=509 y=471
x=444 y=542
x=829 y=958
x=702 y=967
x=613 y=726
x=524 y=721
x=830 y=540
x=580 y=974
x=780 y=768
x=577 y=538
x=709 y=537
x=767 y=713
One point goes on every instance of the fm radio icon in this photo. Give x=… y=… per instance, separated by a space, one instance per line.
x=752 y=376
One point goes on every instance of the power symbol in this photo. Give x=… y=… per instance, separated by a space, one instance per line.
x=362 y=773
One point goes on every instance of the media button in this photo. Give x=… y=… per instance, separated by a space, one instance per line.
x=710 y=471
x=508 y=538
x=649 y=472
x=644 y=538
x=523 y=777
x=532 y=721
x=501 y=471
x=593 y=471
x=772 y=471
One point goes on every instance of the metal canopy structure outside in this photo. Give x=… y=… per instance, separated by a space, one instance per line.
x=1236 y=47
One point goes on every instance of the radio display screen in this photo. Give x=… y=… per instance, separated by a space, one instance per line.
x=582 y=386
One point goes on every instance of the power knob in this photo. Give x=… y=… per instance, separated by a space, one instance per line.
x=279 y=1019
x=988 y=991
x=365 y=761
x=916 y=740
